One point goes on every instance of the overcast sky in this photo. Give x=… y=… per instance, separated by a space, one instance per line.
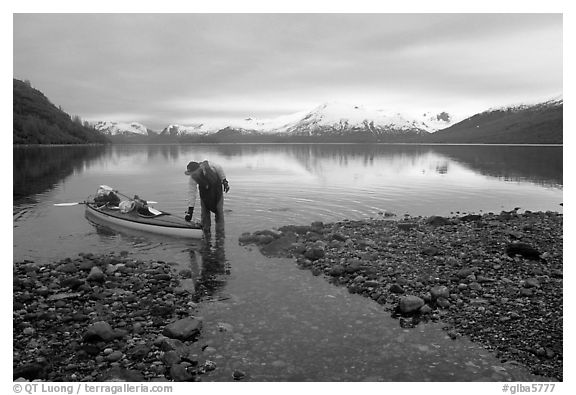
x=183 y=68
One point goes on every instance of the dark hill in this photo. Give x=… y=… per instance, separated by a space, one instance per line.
x=539 y=124
x=37 y=121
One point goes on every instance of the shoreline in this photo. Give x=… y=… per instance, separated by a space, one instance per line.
x=495 y=278
x=111 y=317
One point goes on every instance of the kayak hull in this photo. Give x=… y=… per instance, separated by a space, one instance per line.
x=164 y=224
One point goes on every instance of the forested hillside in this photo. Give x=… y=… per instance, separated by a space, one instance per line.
x=38 y=121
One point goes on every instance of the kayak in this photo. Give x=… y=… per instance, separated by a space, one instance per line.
x=155 y=221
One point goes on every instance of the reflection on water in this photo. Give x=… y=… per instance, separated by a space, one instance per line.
x=540 y=165
x=37 y=169
x=41 y=168
x=213 y=268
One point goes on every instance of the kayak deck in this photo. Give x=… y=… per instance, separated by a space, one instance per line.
x=164 y=223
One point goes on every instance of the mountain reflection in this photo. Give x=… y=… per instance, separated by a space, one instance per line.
x=541 y=165
x=39 y=169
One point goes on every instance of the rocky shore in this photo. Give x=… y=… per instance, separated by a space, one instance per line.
x=105 y=318
x=496 y=278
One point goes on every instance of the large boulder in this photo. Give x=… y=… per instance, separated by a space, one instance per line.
x=183 y=329
x=410 y=304
x=524 y=250
x=99 y=331
x=439 y=291
x=96 y=274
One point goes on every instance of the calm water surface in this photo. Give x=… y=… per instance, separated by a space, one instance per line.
x=285 y=323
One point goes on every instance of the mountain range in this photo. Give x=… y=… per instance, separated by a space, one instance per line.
x=539 y=123
x=36 y=120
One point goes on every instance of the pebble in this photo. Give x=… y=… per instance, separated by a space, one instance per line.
x=114 y=356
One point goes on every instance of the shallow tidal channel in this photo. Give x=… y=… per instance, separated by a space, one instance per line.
x=276 y=322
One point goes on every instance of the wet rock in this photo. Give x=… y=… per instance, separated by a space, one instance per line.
x=139 y=352
x=443 y=302
x=99 y=331
x=336 y=271
x=225 y=327
x=247 y=238
x=482 y=279
x=63 y=295
x=183 y=329
x=96 y=275
x=471 y=217
x=30 y=371
x=170 y=358
x=69 y=267
x=531 y=283
x=396 y=288
x=209 y=366
x=315 y=253
x=71 y=282
x=121 y=375
x=410 y=304
x=407 y=225
x=186 y=273
x=238 y=375
x=425 y=309
x=371 y=283
x=28 y=331
x=114 y=356
x=523 y=249
x=436 y=220
x=439 y=291
x=338 y=237
x=179 y=372
x=465 y=272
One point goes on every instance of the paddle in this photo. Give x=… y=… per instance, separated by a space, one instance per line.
x=106 y=188
x=69 y=204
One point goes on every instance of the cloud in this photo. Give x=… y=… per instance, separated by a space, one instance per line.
x=168 y=67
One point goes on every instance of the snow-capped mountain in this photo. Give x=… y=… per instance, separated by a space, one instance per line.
x=330 y=118
x=342 y=118
x=111 y=128
x=338 y=122
x=184 y=130
x=535 y=105
x=526 y=123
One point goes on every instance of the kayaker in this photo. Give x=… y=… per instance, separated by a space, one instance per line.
x=210 y=180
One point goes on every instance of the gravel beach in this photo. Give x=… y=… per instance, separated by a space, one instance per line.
x=105 y=318
x=496 y=278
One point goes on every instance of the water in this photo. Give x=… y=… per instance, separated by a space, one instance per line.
x=287 y=324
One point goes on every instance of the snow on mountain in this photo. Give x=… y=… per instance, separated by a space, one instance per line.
x=557 y=100
x=344 y=117
x=185 y=130
x=111 y=128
